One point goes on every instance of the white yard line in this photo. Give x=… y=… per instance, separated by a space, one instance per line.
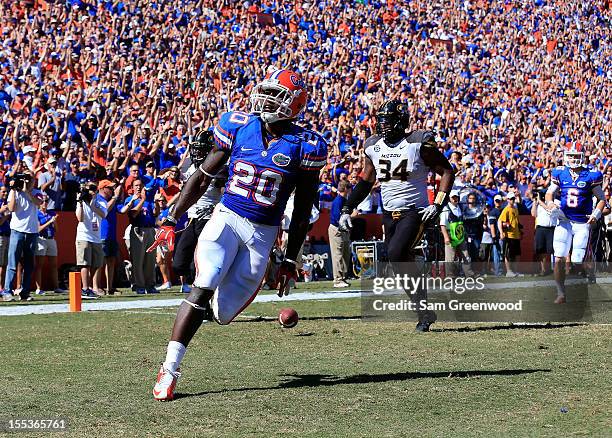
x=89 y=306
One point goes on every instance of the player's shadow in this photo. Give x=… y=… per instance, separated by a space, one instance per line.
x=330 y=318
x=302 y=318
x=315 y=380
x=510 y=327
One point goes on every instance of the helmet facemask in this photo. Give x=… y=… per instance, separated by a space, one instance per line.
x=574 y=160
x=271 y=102
x=391 y=127
x=201 y=145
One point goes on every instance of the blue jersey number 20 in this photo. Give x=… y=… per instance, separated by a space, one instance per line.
x=262 y=186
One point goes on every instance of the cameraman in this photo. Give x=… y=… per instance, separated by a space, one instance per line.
x=24 y=233
x=90 y=210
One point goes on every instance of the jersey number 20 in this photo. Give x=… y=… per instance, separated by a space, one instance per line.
x=261 y=186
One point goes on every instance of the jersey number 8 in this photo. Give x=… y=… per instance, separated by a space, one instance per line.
x=262 y=186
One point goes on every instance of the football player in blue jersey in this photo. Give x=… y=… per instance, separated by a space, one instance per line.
x=576 y=185
x=268 y=156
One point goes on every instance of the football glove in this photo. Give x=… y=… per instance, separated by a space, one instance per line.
x=164 y=236
x=345 y=223
x=431 y=213
x=286 y=272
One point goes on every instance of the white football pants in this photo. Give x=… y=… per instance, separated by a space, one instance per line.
x=231 y=259
x=571 y=236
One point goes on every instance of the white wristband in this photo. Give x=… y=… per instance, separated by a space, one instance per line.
x=205 y=172
x=596 y=214
x=290 y=261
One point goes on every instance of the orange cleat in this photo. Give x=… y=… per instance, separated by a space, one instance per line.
x=560 y=299
x=164 y=387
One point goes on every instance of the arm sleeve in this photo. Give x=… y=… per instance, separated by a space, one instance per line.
x=314 y=152
x=552 y=188
x=555 y=176
x=224 y=131
x=596 y=178
x=598 y=193
x=359 y=193
x=429 y=139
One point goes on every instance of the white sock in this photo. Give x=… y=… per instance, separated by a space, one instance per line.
x=174 y=356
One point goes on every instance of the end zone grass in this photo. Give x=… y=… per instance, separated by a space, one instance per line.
x=331 y=375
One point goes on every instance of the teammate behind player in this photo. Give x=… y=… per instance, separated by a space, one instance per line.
x=269 y=157
x=402 y=163
x=199 y=213
x=577 y=185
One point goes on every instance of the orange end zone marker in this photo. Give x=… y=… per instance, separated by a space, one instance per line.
x=74 y=286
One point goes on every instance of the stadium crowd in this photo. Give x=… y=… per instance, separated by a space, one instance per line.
x=113 y=90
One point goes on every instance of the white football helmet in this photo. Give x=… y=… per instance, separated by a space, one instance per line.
x=573 y=157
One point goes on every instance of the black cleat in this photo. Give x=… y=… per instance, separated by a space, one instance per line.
x=208 y=314
x=425 y=321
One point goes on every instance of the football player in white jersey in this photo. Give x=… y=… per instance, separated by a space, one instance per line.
x=199 y=213
x=401 y=162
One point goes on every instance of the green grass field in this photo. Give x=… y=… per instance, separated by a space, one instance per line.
x=332 y=375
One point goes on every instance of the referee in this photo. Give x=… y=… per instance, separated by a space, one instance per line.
x=199 y=213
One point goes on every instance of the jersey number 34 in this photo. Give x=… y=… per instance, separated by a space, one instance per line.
x=399 y=173
x=262 y=186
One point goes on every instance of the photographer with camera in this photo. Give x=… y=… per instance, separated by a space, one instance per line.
x=24 y=233
x=90 y=210
x=544 y=232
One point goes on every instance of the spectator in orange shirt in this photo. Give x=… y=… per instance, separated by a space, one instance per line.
x=134 y=174
x=173 y=185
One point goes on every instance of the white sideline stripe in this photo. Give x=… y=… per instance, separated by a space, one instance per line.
x=300 y=296
x=148 y=304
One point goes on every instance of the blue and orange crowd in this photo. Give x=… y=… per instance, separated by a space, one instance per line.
x=102 y=87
